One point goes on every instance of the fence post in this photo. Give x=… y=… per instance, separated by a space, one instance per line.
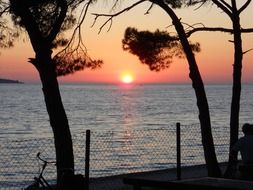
x=87 y=160
x=178 y=152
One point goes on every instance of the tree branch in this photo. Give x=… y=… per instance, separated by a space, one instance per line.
x=224 y=6
x=111 y=16
x=5 y=10
x=74 y=56
x=115 y=4
x=58 y=23
x=248 y=51
x=216 y=29
x=192 y=26
x=151 y=6
x=77 y=30
x=209 y=29
x=247 y=30
x=244 y=6
x=21 y=9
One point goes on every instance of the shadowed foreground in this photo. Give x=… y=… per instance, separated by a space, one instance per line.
x=116 y=182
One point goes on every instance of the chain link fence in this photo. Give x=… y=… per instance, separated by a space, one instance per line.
x=191 y=144
x=111 y=153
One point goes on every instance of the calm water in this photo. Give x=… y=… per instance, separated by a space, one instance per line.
x=133 y=127
x=108 y=107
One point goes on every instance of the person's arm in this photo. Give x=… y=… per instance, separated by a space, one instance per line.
x=234 y=151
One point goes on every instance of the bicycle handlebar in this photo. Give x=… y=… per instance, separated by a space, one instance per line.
x=43 y=160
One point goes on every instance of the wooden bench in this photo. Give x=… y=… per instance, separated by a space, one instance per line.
x=191 y=184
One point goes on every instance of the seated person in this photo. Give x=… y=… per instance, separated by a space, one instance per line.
x=245 y=146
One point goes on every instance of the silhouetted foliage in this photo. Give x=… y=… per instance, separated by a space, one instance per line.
x=70 y=62
x=188 y=48
x=46 y=14
x=180 y=3
x=155 y=49
x=7 y=34
x=45 y=21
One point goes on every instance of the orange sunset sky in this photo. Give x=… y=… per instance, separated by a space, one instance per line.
x=215 y=60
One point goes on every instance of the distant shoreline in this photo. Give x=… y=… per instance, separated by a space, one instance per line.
x=10 y=81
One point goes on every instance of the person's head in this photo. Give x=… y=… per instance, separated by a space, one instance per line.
x=247 y=129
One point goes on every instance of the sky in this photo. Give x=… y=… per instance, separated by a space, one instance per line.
x=215 y=59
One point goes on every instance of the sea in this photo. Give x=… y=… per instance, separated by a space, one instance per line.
x=122 y=111
x=115 y=107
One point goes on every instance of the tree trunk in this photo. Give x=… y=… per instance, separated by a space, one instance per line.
x=197 y=83
x=42 y=44
x=57 y=116
x=236 y=92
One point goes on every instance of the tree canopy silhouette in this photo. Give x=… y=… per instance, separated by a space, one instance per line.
x=45 y=22
x=51 y=22
x=7 y=34
x=197 y=83
x=155 y=49
x=233 y=10
x=194 y=73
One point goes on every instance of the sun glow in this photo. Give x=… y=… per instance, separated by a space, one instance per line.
x=127 y=78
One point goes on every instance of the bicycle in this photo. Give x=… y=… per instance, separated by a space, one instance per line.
x=40 y=181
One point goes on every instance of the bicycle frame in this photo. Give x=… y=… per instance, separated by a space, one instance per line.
x=40 y=180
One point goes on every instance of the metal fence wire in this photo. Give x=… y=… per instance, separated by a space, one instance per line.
x=111 y=153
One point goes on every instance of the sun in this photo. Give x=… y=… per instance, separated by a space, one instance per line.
x=127 y=78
